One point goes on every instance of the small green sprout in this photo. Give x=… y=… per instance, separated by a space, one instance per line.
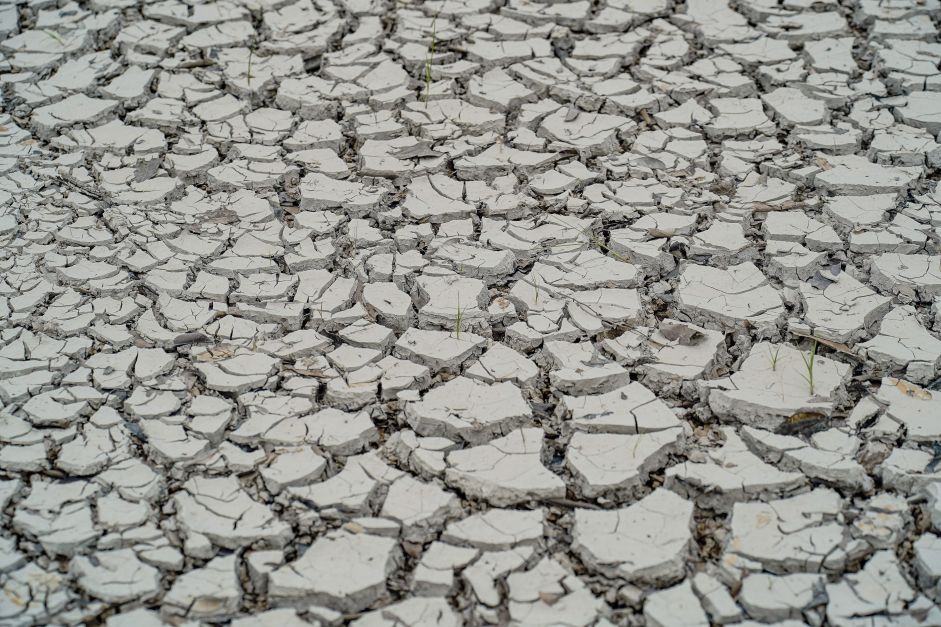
x=431 y=54
x=54 y=35
x=773 y=357
x=809 y=366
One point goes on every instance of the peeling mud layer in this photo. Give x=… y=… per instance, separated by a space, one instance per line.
x=470 y=312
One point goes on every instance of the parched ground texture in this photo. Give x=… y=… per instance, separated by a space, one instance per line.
x=609 y=312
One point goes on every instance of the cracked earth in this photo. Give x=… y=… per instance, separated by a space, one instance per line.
x=483 y=312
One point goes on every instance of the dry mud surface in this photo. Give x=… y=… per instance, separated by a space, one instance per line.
x=484 y=312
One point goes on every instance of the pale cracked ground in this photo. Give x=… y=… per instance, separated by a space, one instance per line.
x=470 y=312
